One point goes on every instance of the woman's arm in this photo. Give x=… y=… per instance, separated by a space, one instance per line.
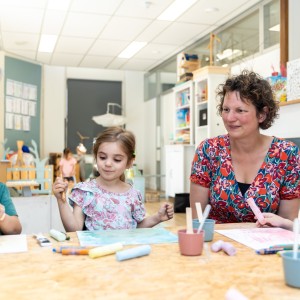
x=198 y=193
x=289 y=209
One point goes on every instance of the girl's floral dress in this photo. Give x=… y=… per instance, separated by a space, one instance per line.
x=107 y=210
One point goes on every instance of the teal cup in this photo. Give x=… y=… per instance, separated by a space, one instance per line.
x=291 y=268
x=208 y=227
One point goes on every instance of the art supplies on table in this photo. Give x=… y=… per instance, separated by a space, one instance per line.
x=133 y=252
x=42 y=240
x=59 y=235
x=259 y=238
x=126 y=237
x=105 y=250
x=13 y=243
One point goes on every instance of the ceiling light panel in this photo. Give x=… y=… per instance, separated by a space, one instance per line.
x=177 y=8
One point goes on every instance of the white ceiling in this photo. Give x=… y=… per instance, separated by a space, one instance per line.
x=92 y=33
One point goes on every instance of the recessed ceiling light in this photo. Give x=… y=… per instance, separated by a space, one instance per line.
x=177 y=8
x=211 y=9
x=47 y=43
x=275 y=28
x=132 y=49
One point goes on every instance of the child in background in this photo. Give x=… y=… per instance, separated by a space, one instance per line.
x=108 y=202
x=67 y=166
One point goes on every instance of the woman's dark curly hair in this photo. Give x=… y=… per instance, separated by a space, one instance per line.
x=254 y=89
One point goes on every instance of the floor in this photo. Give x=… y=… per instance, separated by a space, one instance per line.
x=153 y=206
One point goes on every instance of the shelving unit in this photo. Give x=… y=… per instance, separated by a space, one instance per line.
x=207 y=122
x=184 y=113
x=178 y=168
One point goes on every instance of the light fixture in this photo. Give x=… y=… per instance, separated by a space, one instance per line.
x=109 y=119
x=132 y=49
x=47 y=43
x=177 y=8
x=275 y=28
x=229 y=53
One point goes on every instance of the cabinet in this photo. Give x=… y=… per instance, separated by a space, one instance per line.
x=178 y=168
x=184 y=113
x=207 y=121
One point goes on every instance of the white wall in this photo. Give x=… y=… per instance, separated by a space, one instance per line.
x=150 y=142
x=55 y=103
x=288 y=123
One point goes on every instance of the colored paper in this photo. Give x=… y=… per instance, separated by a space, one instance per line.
x=126 y=237
x=259 y=238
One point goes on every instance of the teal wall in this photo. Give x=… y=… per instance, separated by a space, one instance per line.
x=27 y=73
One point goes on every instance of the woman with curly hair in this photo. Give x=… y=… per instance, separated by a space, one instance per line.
x=245 y=163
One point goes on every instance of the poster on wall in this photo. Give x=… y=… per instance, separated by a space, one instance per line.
x=293 y=80
x=20 y=105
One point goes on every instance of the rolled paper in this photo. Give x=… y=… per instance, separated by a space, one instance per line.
x=105 y=250
x=217 y=246
x=256 y=211
x=133 y=252
x=228 y=249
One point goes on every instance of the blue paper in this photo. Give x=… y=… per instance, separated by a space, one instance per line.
x=126 y=237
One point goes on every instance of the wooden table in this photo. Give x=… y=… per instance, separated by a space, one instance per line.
x=164 y=274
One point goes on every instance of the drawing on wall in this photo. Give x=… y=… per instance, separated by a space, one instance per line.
x=293 y=80
x=20 y=104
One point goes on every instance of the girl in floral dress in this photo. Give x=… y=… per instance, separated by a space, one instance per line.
x=108 y=202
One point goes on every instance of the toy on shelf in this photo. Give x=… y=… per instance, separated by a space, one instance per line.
x=186 y=64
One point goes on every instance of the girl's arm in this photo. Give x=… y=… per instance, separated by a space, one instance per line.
x=72 y=220
x=198 y=193
x=164 y=213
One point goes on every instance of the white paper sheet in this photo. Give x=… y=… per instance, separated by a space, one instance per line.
x=13 y=243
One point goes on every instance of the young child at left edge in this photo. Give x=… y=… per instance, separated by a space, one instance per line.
x=108 y=202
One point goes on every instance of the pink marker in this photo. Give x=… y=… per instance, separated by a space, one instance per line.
x=256 y=211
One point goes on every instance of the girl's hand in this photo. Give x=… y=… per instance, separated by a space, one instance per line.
x=166 y=212
x=59 y=187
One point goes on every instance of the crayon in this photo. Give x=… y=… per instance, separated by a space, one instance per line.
x=133 y=252
x=105 y=250
x=74 y=251
x=284 y=246
x=59 y=249
x=268 y=251
x=256 y=211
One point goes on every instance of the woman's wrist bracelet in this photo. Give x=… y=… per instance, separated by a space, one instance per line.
x=3 y=217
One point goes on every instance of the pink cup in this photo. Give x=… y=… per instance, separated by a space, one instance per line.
x=190 y=244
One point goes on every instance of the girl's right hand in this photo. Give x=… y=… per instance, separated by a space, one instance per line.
x=59 y=187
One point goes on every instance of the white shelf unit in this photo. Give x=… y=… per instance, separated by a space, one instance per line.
x=179 y=159
x=207 y=121
x=184 y=113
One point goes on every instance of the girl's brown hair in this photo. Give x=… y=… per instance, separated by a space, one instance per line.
x=125 y=138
